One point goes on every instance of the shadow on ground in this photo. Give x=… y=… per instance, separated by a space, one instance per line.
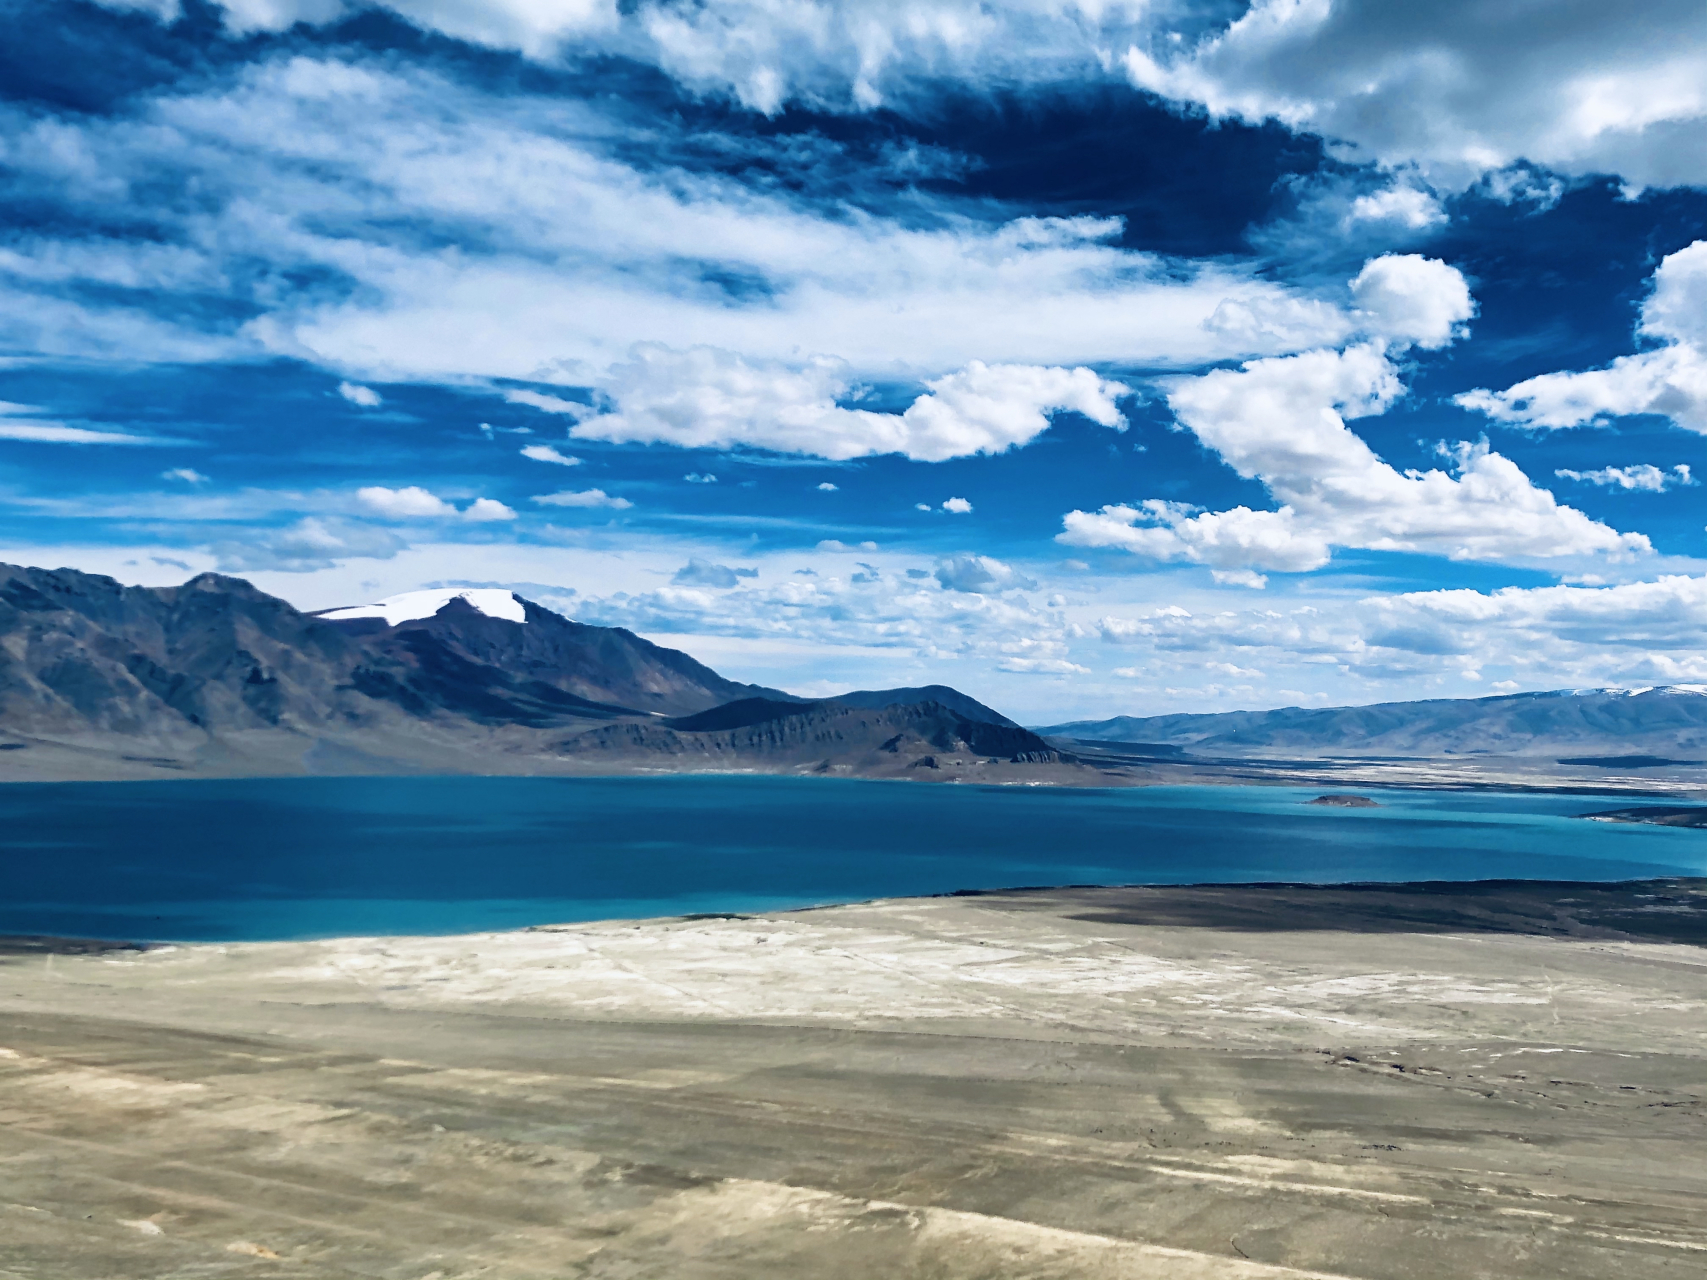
x=1672 y=910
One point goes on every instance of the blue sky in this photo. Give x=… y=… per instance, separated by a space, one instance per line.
x=1093 y=358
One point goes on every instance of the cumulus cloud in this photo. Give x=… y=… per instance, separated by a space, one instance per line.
x=1240 y=578
x=1462 y=87
x=583 y=498
x=695 y=478
x=1670 y=380
x=1412 y=299
x=547 y=453
x=366 y=397
x=710 y=398
x=1641 y=476
x=858 y=606
x=980 y=574
x=1405 y=207
x=700 y=573
x=416 y=503
x=485 y=510
x=957 y=507
x=411 y=503
x=1385 y=646
x=1283 y=421
x=827 y=487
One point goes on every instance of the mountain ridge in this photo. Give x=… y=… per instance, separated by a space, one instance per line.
x=217 y=678
x=1657 y=720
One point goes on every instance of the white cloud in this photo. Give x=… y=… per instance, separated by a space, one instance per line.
x=366 y=397
x=584 y=498
x=59 y=433
x=16 y=425
x=1460 y=87
x=958 y=507
x=827 y=487
x=1042 y=667
x=1457 y=88
x=1405 y=207
x=1639 y=630
x=876 y=608
x=567 y=255
x=1410 y=298
x=546 y=453
x=484 y=510
x=548 y=404
x=710 y=398
x=980 y=574
x=1641 y=476
x=411 y=503
x=921 y=506
x=1670 y=380
x=187 y=474
x=1240 y=578
x=702 y=573
x=311 y=544
x=831 y=53
x=1283 y=421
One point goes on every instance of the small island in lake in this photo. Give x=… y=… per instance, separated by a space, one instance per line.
x=1346 y=802
x=1657 y=815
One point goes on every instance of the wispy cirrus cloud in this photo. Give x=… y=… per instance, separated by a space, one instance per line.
x=569 y=255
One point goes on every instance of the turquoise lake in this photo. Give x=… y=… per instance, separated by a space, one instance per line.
x=315 y=857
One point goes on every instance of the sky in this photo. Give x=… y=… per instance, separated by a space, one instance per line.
x=1095 y=357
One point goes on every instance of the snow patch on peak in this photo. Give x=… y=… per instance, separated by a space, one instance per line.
x=491 y=601
x=1664 y=690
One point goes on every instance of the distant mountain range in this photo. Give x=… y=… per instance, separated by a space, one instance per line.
x=212 y=678
x=1662 y=723
x=216 y=677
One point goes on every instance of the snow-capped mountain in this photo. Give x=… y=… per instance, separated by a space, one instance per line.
x=494 y=602
x=98 y=679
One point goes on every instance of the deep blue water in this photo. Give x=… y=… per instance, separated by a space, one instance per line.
x=311 y=857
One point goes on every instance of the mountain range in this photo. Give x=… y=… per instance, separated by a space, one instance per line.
x=215 y=677
x=1570 y=725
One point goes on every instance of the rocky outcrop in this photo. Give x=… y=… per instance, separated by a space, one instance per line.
x=757 y=731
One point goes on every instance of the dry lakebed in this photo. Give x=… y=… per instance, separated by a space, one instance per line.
x=1504 y=1079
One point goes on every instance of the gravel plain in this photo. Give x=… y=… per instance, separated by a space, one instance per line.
x=1263 y=1081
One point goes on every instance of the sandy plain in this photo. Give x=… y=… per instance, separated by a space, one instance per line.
x=1254 y=1083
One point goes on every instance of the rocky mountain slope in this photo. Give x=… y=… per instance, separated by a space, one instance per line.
x=530 y=667
x=216 y=677
x=1668 y=721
